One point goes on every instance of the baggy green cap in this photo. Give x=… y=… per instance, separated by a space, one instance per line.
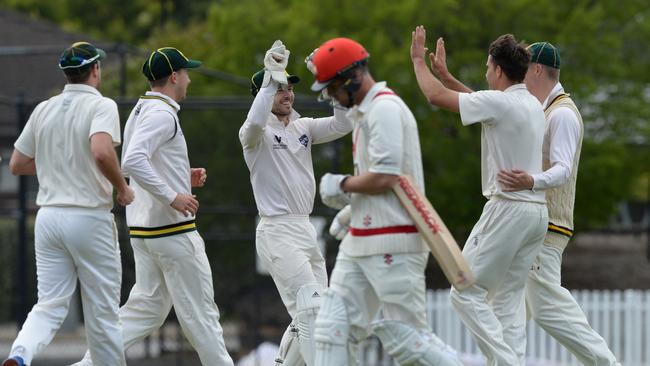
x=163 y=61
x=545 y=53
x=258 y=78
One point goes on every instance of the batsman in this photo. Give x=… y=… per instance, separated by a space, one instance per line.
x=381 y=260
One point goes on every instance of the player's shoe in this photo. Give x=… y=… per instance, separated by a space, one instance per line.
x=14 y=361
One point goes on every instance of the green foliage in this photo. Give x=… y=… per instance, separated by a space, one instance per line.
x=604 y=67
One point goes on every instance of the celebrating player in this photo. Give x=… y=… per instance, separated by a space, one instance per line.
x=68 y=143
x=509 y=234
x=550 y=304
x=277 y=145
x=171 y=266
x=382 y=259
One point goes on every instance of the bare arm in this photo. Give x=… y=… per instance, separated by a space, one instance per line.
x=101 y=146
x=439 y=65
x=21 y=164
x=435 y=92
x=369 y=183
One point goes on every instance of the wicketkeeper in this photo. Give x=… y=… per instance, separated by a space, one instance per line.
x=277 y=144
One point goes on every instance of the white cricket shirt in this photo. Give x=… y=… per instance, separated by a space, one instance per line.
x=155 y=159
x=385 y=141
x=57 y=137
x=279 y=156
x=512 y=133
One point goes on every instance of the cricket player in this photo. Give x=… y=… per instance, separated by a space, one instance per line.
x=550 y=304
x=504 y=242
x=171 y=266
x=69 y=143
x=277 y=143
x=381 y=260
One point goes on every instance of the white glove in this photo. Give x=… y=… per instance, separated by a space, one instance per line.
x=331 y=193
x=310 y=64
x=341 y=223
x=275 y=63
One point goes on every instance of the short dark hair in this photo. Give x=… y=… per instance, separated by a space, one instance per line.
x=159 y=83
x=79 y=75
x=511 y=56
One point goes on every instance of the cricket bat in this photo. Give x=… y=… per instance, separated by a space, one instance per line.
x=442 y=244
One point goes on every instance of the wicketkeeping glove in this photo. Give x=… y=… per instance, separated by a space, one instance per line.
x=341 y=223
x=275 y=63
x=331 y=193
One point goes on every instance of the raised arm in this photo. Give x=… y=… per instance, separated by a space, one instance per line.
x=330 y=128
x=439 y=65
x=253 y=128
x=435 y=92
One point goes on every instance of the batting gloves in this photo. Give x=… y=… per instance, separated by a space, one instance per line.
x=341 y=223
x=331 y=193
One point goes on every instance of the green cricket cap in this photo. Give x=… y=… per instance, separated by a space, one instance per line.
x=258 y=78
x=164 y=61
x=545 y=53
x=79 y=56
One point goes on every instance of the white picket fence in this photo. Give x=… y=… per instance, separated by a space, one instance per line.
x=621 y=317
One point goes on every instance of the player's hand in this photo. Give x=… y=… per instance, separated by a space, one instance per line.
x=185 y=204
x=275 y=63
x=309 y=61
x=331 y=192
x=515 y=180
x=199 y=175
x=341 y=223
x=418 y=41
x=125 y=196
x=439 y=59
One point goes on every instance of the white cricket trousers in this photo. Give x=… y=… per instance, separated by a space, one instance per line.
x=174 y=270
x=557 y=312
x=287 y=247
x=393 y=283
x=75 y=243
x=500 y=250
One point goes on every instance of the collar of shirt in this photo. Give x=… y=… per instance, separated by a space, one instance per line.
x=165 y=98
x=81 y=88
x=273 y=119
x=362 y=108
x=515 y=87
x=557 y=90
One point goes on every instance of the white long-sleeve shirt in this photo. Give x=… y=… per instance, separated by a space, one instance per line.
x=560 y=143
x=155 y=158
x=279 y=156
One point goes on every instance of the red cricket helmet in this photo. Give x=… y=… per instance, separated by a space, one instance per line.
x=333 y=58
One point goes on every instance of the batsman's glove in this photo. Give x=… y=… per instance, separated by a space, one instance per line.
x=341 y=223
x=275 y=63
x=331 y=193
x=309 y=62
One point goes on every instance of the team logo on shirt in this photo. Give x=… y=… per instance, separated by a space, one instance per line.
x=137 y=109
x=304 y=140
x=388 y=259
x=279 y=145
x=367 y=220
